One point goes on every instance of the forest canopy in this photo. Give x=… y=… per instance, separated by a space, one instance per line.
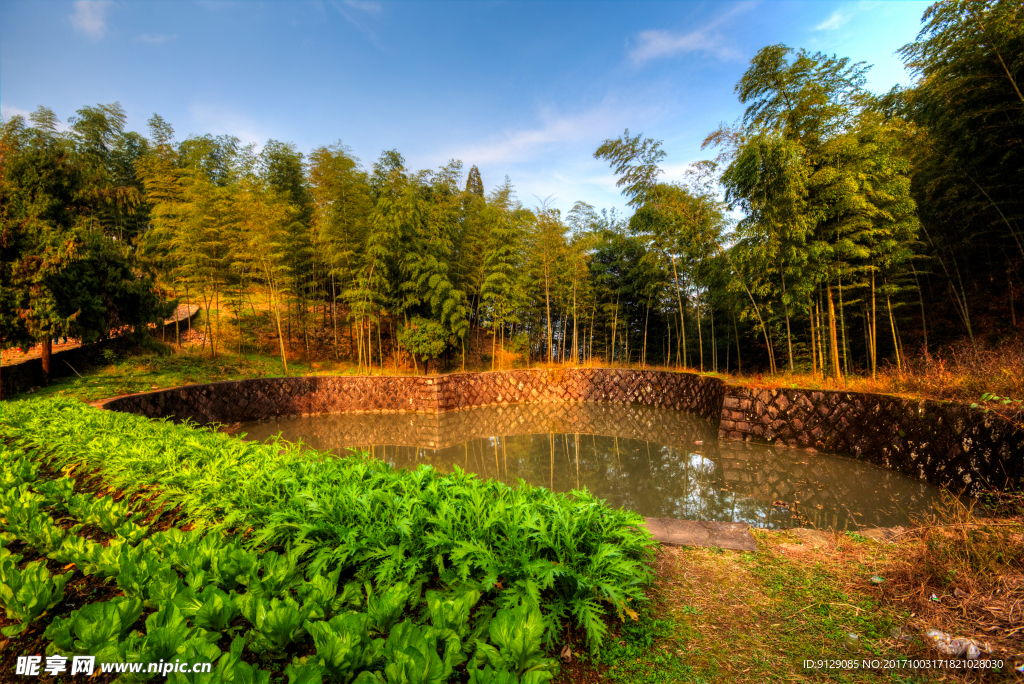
x=872 y=226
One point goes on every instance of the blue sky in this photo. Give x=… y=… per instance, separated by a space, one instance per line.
x=524 y=89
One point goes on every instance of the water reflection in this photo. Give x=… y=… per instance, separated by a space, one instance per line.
x=658 y=462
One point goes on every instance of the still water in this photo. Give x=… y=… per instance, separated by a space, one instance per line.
x=657 y=462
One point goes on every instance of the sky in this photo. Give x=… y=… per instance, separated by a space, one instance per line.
x=526 y=90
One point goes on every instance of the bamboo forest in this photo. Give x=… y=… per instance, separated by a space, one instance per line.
x=280 y=412
x=873 y=228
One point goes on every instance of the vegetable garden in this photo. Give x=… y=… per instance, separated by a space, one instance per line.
x=294 y=562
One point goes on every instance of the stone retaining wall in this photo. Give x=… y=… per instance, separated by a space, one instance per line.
x=244 y=400
x=942 y=443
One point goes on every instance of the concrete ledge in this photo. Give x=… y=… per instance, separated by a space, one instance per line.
x=703 y=533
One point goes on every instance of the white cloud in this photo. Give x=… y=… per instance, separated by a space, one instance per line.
x=658 y=43
x=154 y=38
x=8 y=112
x=207 y=118
x=90 y=17
x=523 y=144
x=833 y=22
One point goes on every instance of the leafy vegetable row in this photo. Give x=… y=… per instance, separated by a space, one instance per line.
x=203 y=589
x=375 y=575
x=570 y=556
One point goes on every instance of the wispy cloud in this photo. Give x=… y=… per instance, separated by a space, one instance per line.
x=90 y=17
x=8 y=112
x=659 y=43
x=350 y=9
x=364 y=6
x=216 y=119
x=593 y=125
x=154 y=38
x=836 y=20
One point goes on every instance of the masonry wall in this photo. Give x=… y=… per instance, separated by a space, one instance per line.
x=942 y=443
x=244 y=400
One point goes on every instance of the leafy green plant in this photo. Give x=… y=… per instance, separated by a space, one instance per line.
x=26 y=594
x=39 y=532
x=136 y=571
x=344 y=646
x=411 y=654
x=207 y=558
x=57 y=492
x=104 y=513
x=230 y=668
x=95 y=629
x=576 y=559
x=385 y=608
x=213 y=609
x=276 y=574
x=995 y=398
x=276 y=623
x=167 y=633
x=322 y=590
x=15 y=469
x=517 y=634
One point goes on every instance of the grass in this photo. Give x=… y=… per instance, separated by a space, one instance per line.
x=738 y=617
x=149 y=370
x=958 y=372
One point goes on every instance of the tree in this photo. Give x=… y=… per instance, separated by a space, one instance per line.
x=61 y=274
x=504 y=290
x=341 y=207
x=474 y=185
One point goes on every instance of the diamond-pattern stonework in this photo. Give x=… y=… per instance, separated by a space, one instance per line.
x=944 y=443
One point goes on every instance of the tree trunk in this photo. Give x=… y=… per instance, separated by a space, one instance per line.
x=280 y=339
x=874 y=329
x=615 y=327
x=334 y=316
x=832 y=333
x=789 y=334
x=714 y=343
x=700 y=335
x=814 y=358
x=575 y=342
x=895 y=340
x=682 y=319
x=739 y=360
x=842 y=326
x=920 y=295
x=643 y=353
x=547 y=304
x=45 y=356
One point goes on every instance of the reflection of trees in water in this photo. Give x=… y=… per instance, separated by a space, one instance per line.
x=641 y=458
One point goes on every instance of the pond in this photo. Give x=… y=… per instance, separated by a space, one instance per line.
x=657 y=462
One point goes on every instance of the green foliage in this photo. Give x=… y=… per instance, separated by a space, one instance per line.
x=517 y=635
x=344 y=646
x=26 y=594
x=424 y=338
x=573 y=557
x=276 y=623
x=96 y=629
x=385 y=608
x=104 y=513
